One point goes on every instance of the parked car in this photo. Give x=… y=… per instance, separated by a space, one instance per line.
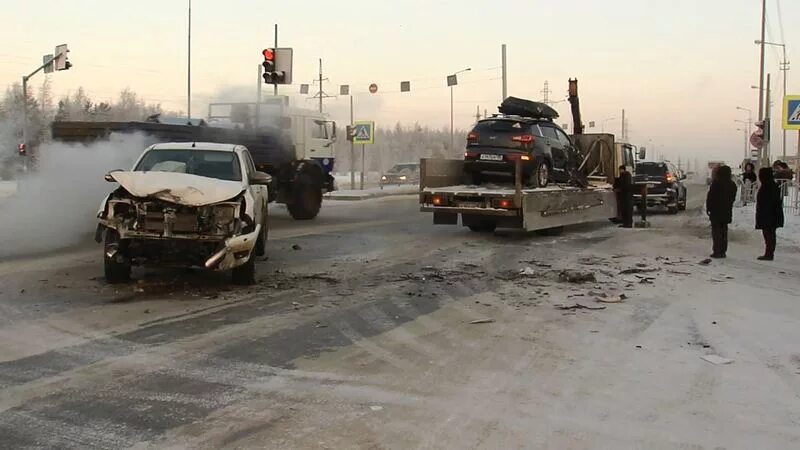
x=186 y=204
x=405 y=173
x=667 y=188
x=529 y=136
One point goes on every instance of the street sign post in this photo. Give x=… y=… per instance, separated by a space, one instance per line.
x=364 y=134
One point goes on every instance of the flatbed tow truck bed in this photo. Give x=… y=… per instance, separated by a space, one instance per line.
x=486 y=207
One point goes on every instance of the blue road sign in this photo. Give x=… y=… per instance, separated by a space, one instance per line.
x=364 y=132
x=791 y=112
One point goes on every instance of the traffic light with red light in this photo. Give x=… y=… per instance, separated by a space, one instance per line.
x=271 y=73
x=277 y=65
x=22 y=150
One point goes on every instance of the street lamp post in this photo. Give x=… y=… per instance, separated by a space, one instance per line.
x=452 y=107
x=749 y=124
x=189 y=70
x=785 y=69
x=746 y=130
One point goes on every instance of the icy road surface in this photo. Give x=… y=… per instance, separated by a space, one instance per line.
x=359 y=335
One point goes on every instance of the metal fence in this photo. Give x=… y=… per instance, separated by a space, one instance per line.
x=790 y=192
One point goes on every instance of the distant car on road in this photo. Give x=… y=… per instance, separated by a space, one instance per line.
x=667 y=188
x=186 y=204
x=525 y=133
x=404 y=173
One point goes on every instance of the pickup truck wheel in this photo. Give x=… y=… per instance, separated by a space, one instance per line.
x=540 y=176
x=306 y=198
x=116 y=269
x=246 y=273
x=261 y=243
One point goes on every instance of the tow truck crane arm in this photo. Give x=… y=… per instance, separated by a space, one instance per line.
x=576 y=106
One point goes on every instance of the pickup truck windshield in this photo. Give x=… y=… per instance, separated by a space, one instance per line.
x=205 y=163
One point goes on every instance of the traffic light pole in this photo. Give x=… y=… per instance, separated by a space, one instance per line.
x=25 y=98
x=275 y=92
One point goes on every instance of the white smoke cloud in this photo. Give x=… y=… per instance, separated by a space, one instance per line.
x=57 y=200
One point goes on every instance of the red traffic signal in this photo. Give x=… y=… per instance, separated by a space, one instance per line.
x=269 y=54
x=22 y=149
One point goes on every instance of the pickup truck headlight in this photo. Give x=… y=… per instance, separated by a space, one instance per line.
x=224 y=214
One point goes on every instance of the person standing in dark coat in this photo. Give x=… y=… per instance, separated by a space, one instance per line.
x=623 y=187
x=749 y=173
x=769 y=211
x=719 y=206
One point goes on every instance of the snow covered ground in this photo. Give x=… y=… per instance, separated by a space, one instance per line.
x=744 y=220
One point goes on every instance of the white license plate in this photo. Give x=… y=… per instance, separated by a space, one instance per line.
x=470 y=204
x=492 y=157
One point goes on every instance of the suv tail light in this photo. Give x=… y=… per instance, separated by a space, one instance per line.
x=524 y=138
x=516 y=156
x=470 y=155
x=472 y=138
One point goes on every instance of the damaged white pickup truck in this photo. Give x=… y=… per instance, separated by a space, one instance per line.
x=187 y=205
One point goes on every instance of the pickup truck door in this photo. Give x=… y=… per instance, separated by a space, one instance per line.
x=260 y=192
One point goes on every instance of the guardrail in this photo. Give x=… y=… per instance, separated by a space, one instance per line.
x=790 y=193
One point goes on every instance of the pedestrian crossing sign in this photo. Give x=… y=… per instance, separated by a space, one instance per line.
x=791 y=112
x=364 y=132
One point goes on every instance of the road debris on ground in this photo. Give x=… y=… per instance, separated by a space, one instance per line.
x=716 y=359
x=479 y=321
x=577 y=276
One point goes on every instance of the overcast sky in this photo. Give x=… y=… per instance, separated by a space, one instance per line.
x=678 y=68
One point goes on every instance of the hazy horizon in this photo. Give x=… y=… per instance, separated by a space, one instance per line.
x=679 y=69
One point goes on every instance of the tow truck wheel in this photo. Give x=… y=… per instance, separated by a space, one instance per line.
x=540 y=176
x=116 y=268
x=306 y=198
x=246 y=273
x=484 y=227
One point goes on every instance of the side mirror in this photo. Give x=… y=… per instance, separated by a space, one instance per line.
x=109 y=177
x=642 y=153
x=261 y=179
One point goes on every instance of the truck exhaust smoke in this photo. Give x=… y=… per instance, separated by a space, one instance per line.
x=56 y=202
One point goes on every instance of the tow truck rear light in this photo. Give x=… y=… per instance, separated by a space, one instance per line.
x=472 y=138
x=524 y=138
x=437 y=201
x=525 y=158
x=503 y=203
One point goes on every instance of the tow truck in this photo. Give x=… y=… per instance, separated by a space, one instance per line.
x=545 y=210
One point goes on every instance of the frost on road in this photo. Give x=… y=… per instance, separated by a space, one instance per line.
x=372 y=329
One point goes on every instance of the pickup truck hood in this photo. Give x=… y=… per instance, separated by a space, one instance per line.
x=180 y=188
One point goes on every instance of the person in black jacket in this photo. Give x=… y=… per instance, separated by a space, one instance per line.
x=623 y=187
x=719 y=206
x=769 y=211
x=749 y=173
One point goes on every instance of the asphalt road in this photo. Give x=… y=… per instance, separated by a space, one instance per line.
x=358 y=335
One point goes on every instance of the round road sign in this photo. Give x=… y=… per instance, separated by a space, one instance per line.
x=373 y=88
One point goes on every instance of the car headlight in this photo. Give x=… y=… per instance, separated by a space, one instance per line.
x=383 y=177
x=403 y=178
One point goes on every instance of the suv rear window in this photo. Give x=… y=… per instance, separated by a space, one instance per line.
x=653 y=169
x=500 y=132
x=501 y=126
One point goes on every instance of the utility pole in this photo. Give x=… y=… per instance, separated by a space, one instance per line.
x=189 y=71
x=546 y=93
x=785 y=70
x=624 y=130
x=478 y=113
x=761 y=65
x=259 y=83
x=767 y=126
x=320 y=85
x=505 y=72
x=485 y=113
x=352 y=149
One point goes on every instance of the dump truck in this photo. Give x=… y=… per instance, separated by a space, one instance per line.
x=294 y=146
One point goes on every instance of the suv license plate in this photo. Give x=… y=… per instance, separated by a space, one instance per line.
x=491 y=157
